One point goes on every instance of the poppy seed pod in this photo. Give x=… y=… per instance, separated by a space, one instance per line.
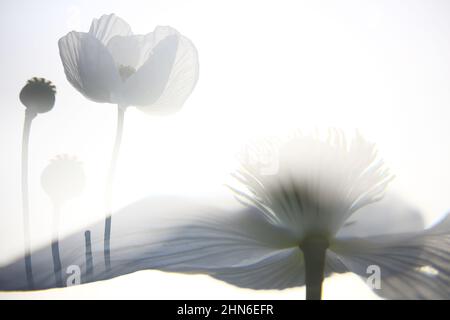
x=63 y=179
x=38 y=95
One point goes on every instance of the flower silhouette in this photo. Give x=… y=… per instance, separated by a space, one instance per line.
x=63 y=179
x=155 y=72
x=319 y=213
x=38 y=96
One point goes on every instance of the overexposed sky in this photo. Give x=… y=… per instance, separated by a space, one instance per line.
x=382 y=67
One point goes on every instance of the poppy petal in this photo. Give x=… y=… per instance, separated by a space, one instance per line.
x=89 y=66
x=167 y=77
x=109 y=26
x=391 y=215
x=169 y=234
x=145 y=86
x=412 y=265
x=181 y=81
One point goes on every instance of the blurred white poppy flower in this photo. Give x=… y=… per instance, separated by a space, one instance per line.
x=319 y=213
x=155 y=72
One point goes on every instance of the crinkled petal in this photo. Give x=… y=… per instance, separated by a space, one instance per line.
x=311 y=184
x=168 y=234
x=89 y=66
x=167 y=77
x=279 y=269
x=181 y=81
x=145 y=86
x=412 y=265
x=109 y=26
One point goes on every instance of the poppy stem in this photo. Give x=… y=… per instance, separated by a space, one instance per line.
x=29 y=116
x=88 y=254
x=55 y=247
x=314 y=253
x=109 y=186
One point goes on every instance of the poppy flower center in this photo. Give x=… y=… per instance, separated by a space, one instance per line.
x=125 y=72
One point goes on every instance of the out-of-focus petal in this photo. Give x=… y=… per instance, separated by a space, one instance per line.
x=240 y=247
x=412 y=265
x=391 y=215
x=89 y=66
x=169 y=234
x=279 y=269
x=198 y=241
x=108 y=26
x=312 y=183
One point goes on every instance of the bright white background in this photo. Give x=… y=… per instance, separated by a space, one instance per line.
x=265 y=67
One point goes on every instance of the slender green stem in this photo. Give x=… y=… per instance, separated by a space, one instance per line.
x=29 y=116
x=109 y=186
x=55 y=247
x=314 y=253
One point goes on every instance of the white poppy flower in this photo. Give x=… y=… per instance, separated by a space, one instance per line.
x=320 y=212
x=155 y=72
